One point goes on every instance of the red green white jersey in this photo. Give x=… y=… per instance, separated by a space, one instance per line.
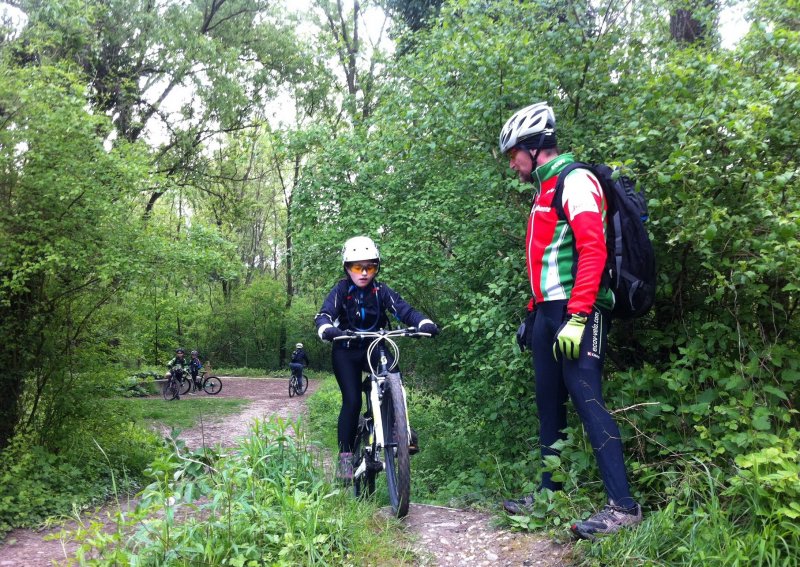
x=566 y=258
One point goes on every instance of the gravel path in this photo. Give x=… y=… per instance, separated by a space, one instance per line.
x=444 y=537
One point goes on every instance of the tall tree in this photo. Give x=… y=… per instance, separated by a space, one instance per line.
x=67 y=248
x=224 y=58
x=357 y=53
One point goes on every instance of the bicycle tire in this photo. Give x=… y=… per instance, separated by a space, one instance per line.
x=212 y=385
x=292 y=387
x=170 y=391
x=185 y=385
x=395 y=450
x=302 y=385
x=364 y=485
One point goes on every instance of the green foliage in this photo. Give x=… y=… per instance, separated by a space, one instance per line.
x=268 y=502
x=244 y=331
x=97 y=462
x=712 y=520
x=709 y=375
x=323 y=413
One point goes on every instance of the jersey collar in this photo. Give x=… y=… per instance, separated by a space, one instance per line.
x=553 y=167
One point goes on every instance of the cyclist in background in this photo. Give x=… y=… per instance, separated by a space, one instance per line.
x=358 y=302
x=179 y=361
x=195 y=366
x=299 y=361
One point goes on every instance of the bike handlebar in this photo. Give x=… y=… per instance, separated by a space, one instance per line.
x=382 y=333
x=382 y=336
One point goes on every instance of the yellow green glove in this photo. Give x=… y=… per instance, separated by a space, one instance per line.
x=569 y=335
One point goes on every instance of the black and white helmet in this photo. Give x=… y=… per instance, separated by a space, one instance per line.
x=534 y=120
x=359 y=248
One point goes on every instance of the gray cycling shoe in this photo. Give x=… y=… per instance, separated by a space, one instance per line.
x=344 y=472
x=610 y=519
x=519 y=506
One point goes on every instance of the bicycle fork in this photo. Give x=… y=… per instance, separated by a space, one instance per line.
x=375 y=401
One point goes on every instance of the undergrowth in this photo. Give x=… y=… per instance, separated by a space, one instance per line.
x=267 y=502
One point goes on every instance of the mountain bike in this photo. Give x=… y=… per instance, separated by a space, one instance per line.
x=298 y=383
x=172 y=389
x=384 y=427
x=211 y=385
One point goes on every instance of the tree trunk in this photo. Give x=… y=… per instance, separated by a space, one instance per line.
x=687 y=26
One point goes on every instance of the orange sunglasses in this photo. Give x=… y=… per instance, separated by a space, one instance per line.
x=358 y=268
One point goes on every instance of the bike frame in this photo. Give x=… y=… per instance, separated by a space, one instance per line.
x=377 y=377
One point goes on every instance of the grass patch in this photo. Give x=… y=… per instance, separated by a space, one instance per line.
x=323 y=413
x=270 y=502
x=181 y=414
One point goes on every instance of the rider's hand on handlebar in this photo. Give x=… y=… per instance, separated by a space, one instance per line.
x=430 y=328
x=331 y=333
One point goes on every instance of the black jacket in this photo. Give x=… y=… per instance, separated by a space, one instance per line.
x=299 y=356
x=357 y=309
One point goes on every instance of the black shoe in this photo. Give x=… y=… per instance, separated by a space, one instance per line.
x=519 y=506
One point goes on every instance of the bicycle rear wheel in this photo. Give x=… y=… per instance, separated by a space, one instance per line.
x=395 y=433
x=292 y=386
x=302 y=385
x=185 y=385
x=212 y=385
x=364 y=484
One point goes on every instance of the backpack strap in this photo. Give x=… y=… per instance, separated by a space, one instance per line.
x=560 y=185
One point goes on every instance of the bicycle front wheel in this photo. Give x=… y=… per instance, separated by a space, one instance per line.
x=170 y=391
x=395 y=433
x=302 y=385
x=212 y=385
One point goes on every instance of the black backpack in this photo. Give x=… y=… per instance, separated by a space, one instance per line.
x=630 y=264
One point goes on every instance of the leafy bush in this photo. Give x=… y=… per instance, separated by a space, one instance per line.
x=37 y=483
x=269 y=502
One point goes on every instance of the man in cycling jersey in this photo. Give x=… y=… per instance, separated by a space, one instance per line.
x=569 y=311
x=358 y=302
x=178 y=362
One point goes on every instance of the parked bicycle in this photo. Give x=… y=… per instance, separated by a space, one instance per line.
x=181 y=382
x=384 y=427
x=172 y=389
x=298 y=383
x=209 y=384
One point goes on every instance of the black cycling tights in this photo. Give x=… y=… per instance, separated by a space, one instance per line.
x=581 y=381
x=348 y=366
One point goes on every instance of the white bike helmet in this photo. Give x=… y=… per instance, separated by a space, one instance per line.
x=529 y=122
x=298 y=345
x=359 y=248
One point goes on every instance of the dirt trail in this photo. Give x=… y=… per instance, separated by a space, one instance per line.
x=442 y=536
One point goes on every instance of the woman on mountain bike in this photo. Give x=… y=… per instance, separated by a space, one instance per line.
x=358 y=302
